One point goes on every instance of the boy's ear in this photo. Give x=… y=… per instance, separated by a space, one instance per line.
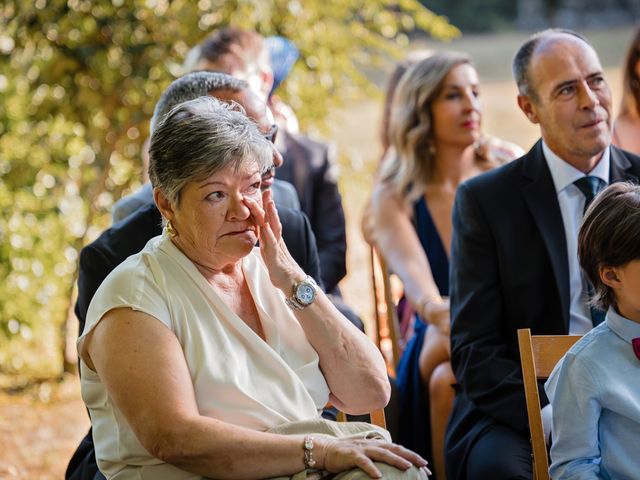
x=609 y=276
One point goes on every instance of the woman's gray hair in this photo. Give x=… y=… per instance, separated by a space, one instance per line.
x=200 y=137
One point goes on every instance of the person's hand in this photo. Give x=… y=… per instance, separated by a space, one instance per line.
x=437 y=314
x=284 y=272
x=344 y=454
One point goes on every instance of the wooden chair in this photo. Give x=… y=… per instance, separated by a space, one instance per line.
x=539 y=354
x=376 y=418
x=387 y=324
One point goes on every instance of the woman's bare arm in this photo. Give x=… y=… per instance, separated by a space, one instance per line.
x=350 y=362
x=395 y=236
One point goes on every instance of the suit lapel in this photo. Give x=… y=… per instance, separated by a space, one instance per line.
x=541 y=197
x=620 y=167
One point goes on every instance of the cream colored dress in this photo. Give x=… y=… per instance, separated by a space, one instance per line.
x=237 y=377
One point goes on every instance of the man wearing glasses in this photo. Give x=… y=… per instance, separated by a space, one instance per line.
x=227 y=89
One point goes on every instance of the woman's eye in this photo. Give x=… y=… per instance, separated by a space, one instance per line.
x=216 y=196
x=254 y=187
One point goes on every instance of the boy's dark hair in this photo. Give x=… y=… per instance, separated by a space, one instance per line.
x=610 y=236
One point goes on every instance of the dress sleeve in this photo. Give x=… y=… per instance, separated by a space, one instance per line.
x=133 y=284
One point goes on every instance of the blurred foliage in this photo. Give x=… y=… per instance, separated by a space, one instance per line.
x=480 y=15
x=79 y=80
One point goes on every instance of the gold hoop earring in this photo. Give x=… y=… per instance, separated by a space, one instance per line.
x=170 y=230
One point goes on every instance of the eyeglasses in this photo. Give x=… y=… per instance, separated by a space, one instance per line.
x=269 y=172
x=271 y=134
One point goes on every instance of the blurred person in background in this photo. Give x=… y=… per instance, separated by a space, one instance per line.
x=283 y=193
x=626 y=128
x=282 y=56
x=435 y=141
x=308 y=165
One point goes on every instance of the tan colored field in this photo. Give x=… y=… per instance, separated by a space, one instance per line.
x=39 y=429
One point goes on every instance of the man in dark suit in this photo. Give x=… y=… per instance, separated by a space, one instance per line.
x=514 y=251
x=130 y=235
x=311 y=167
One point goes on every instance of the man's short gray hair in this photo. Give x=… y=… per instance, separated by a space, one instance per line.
x=200 y=137
x=522 y=58
x=191 y=86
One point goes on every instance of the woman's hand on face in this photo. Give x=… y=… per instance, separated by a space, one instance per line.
x=344 y=454
x=283 y=270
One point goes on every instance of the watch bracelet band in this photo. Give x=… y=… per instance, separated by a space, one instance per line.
x=293 y=304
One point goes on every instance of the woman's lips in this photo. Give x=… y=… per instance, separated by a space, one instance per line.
x=241 y=232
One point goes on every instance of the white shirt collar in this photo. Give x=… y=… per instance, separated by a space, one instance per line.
x=564 y=174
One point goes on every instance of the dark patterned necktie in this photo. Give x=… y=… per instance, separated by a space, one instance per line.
x=636 y=346
x=590 y=186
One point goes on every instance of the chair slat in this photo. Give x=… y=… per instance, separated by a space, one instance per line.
x=539 y=354
x=548 y=350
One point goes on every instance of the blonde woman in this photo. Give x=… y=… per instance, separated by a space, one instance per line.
x=435 y=144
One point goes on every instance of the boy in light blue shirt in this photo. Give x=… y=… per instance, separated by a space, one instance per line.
x=595 y=389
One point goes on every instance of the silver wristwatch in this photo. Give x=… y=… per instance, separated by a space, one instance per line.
x=303 y=294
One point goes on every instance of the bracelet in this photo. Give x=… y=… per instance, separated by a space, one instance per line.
x=309 y=461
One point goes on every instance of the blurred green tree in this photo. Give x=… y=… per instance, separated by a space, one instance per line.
x=79 y=80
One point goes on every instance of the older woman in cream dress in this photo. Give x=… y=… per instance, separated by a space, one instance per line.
x=200 y=345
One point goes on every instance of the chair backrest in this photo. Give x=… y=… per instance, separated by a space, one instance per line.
x=387 y=324
x=539 y=354
x=376 y=417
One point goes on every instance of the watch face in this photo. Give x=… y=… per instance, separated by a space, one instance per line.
x=305 y=293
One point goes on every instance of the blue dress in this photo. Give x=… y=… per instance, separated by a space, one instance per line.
x=414 y=431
